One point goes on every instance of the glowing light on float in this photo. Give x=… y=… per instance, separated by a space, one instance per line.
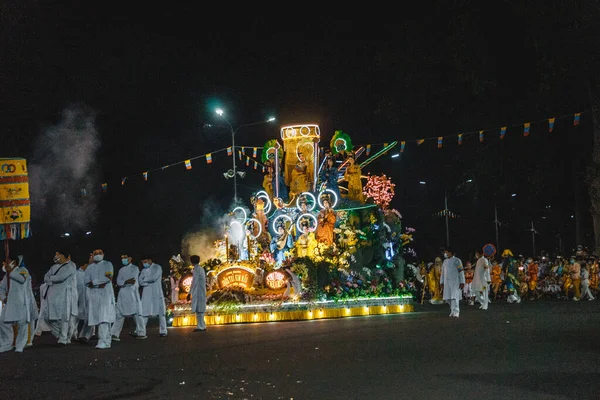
x=257 y=222
x=334 y=196
x=264 y=195
x=287 y=217
x=238 y=232
x=187 y=283
x=311 y=216
x=243 y=212
x=309 y=194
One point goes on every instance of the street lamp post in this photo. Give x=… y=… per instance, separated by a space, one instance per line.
x=221 y=113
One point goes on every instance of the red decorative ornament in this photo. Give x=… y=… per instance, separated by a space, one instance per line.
x=381 y=189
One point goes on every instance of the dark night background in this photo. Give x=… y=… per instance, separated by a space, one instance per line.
x=154 y=78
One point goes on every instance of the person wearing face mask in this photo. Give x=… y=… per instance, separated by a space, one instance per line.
x=198 y=293
x=452 y=281
x=60 y=312
x=20 y=308
x=481 y=280
x=82 y=331
x=128 y=300
x=153 y=299
x=101 y=297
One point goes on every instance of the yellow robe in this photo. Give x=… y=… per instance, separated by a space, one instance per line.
x=306 y=244
x=326 y=218
x=355 y=190
x=300 y=179
x=268 y=185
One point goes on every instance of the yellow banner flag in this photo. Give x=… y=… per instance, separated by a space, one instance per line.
x=15 y=210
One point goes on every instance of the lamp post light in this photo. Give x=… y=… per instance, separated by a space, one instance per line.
x=233 y=173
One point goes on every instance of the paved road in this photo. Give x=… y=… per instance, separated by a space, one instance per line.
x=537 y=350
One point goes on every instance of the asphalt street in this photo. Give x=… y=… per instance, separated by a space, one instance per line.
x=534 y=350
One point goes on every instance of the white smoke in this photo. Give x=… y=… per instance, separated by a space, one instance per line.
x=63 y=174
x=214 y=224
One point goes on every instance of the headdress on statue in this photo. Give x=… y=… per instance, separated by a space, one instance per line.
x=507 y=253
x=326 y=196
x=305 y=222
x=280 y=224
x=303 y=200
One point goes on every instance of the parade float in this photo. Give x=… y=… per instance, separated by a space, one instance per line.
x=319 y=240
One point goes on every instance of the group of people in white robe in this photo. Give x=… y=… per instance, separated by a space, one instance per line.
x=452 y=281
x=76 y=303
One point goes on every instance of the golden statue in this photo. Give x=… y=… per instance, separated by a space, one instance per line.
x=299 y=143
x=353 y=177
x=301 y=178
x=306 y=242
x=326 y=222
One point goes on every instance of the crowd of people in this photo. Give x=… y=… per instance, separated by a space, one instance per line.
x=511 y=278
x=76 y=303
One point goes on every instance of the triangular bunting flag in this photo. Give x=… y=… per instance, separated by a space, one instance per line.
x=247 y=161
x=263 y=168
x=240 y=155
x=481 y=136
x=145 y=175
x=123 y=181
x=460 y=139
x=254 y=153
x=576 y=118
x=551 y=124
x=229 y=151
x=526 y=127
x=402 y=146
x=368 y=149
x=440 y=141
x=420 y=141
x=104 y=187
x=188 y=164
x=502 y=132
x=209 y=158
x=255 y=164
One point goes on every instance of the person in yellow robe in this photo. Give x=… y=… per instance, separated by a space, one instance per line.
x=532 y=279
x=353 y=177
x=301 y=178
x=496 y=279
x=593 y=269
x=326 y=222
x=306 y=242
x=268 y=180
x=433 y=281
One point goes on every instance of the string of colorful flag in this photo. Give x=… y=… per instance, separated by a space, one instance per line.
x=249 y=160
x=440 y=142
x=526 y=126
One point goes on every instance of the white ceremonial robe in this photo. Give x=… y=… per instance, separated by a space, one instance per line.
x=19 y=309
x=480 y=284
x=585 y=285
x=153 y=299
x=100 y=300
x=7 y=334
x=198 y=292
x=451 y=277
x=128 y=300
x=61 y=294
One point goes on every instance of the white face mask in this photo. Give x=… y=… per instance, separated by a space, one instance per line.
x=446 y=255
x=56 y=259
x=98 y=257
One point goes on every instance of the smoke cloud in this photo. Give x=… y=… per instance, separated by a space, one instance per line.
x=214 y=223
x=63 y=175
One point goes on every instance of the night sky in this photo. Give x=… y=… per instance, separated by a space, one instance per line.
x=153 y=78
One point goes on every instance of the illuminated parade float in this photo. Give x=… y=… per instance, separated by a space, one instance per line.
x=317 y=241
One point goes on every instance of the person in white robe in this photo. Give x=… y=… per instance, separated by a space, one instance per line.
x=100 y=298
x=153 y=298
x=61 y=294
x=585 y=283
x=81 y=328
x=481 y=280
x=452 y=281
x=128 y=300
x=18 y=309
x=33 y=307
x=294 y=283
x=198 y=293
x=7 y=335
